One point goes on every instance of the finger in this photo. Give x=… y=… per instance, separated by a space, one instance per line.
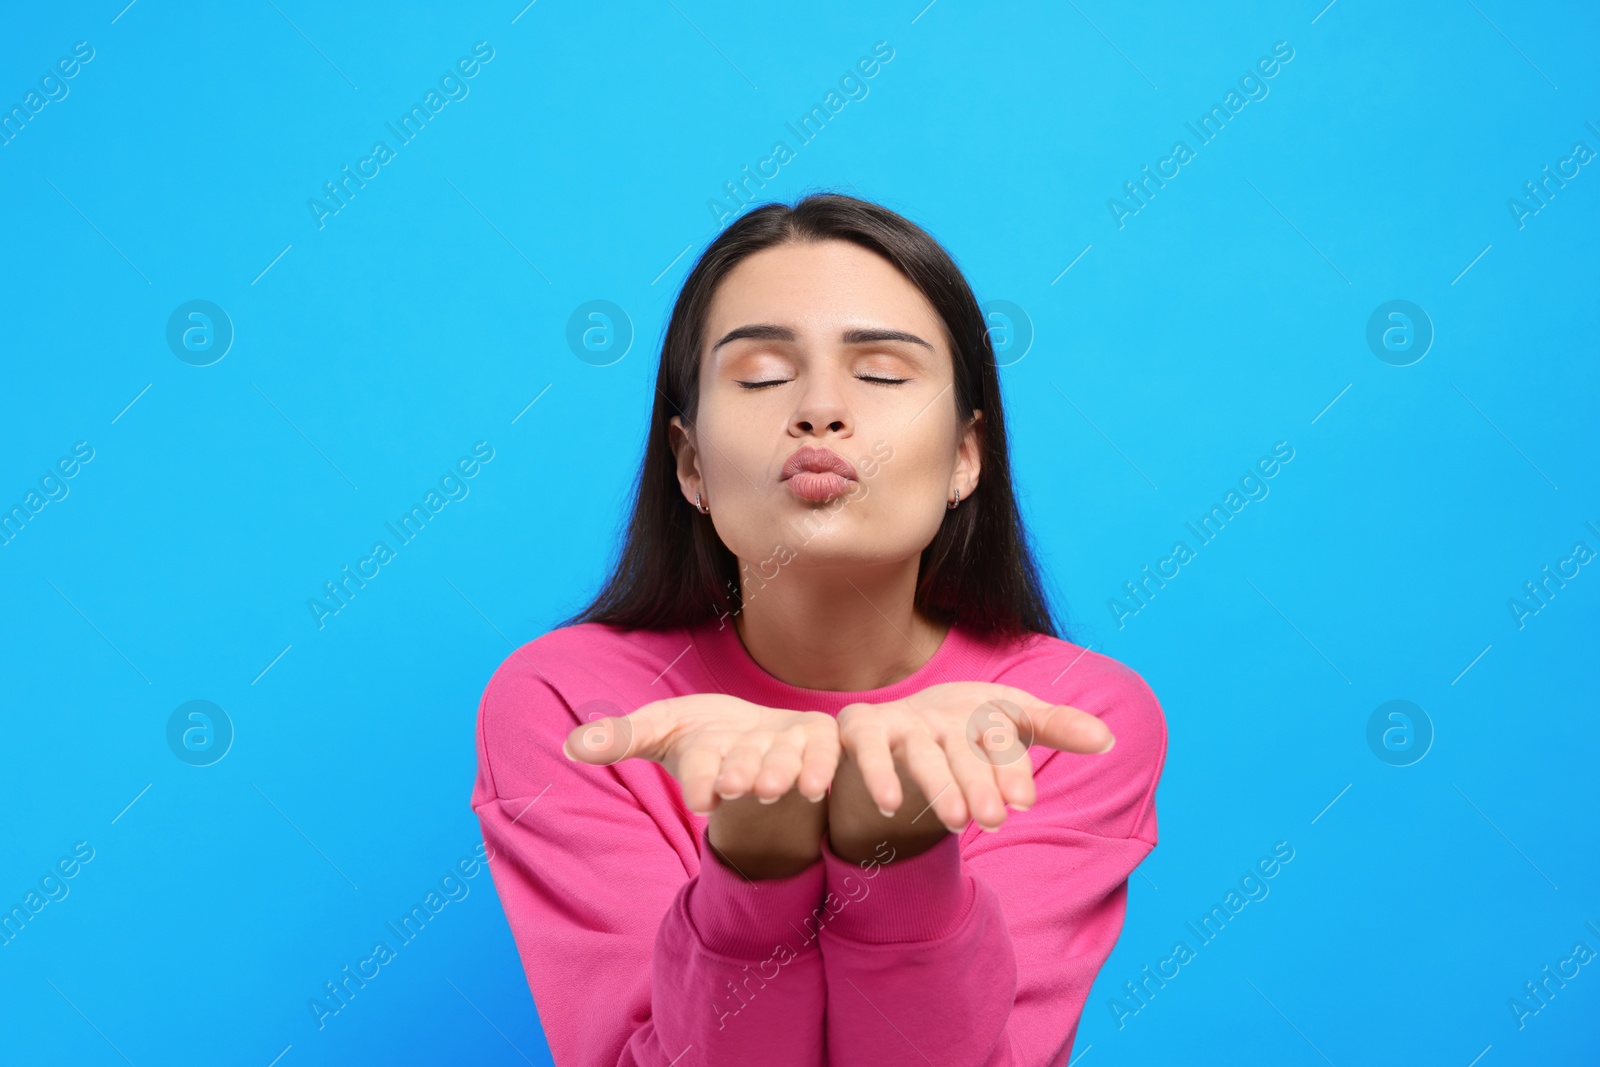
x=607 y=739
x=1067 y=729
x=599 y=742
x=820 y=761
x=868 y=745
x=975 y=777
x=697 y=774
x=780 y=765
x=928 y=766
x=999 y=733
x=740 y=766
x=1015 y=781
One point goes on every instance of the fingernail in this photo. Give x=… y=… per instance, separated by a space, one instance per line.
x=764 y=800
x=1109 y=745
x=1018 y=807
x=988 y=829
x=567 y=754
x=816 y=798
x=887 y=814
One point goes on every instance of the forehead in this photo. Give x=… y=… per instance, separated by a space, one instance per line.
x=820 y=287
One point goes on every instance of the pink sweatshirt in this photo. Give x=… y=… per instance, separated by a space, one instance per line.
x=639 y=950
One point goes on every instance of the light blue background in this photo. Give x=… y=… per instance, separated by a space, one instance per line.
x=1227 y=315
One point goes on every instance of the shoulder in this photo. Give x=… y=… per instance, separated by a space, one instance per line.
x=576 y=674
x=587 y=663
x=548 y=686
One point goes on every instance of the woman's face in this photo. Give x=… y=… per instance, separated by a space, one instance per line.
x=824 y=345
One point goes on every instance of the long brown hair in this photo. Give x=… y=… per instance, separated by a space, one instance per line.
x=674 y=570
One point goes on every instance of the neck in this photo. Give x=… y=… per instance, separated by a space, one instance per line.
x=841 y=630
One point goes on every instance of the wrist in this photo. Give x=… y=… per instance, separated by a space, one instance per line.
x=856 y=827
x=866 y=840
x=767 y=841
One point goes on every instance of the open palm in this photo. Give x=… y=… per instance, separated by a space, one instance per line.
x=718 y=747
x=964 y=745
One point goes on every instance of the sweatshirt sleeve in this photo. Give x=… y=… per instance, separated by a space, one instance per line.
x=630 y=959
x=983 y=949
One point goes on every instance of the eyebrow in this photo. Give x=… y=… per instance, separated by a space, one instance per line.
x=864 y=335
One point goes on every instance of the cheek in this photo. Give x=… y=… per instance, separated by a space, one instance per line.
x=734 y=453
x=739 y=470
x=906 y=498
x=918 y=466
x=916 y=513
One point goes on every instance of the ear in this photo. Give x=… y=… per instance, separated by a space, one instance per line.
x=968 y=456
x=682 y=440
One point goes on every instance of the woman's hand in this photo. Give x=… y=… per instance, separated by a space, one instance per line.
x=721 y=748
x=718 y=746
x=953 y=752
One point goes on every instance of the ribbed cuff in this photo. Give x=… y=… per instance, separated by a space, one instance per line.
x=744 y=919
x=921 y=898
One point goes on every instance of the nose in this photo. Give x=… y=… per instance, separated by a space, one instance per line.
x=821 y=408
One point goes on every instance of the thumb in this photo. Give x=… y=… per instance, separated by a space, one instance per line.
x=1068 y=729
x=608 y=739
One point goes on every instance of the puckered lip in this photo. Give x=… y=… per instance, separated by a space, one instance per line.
x=822 y=460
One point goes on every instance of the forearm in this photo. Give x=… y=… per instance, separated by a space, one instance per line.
x=729 y=976
x=905 y=927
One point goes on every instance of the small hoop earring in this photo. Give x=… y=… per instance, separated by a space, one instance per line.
x=701 y=508
x=952 y=504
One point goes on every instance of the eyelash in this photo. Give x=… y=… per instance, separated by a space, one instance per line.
x=859 y=377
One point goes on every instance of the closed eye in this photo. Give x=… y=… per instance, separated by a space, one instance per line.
x=861 y=377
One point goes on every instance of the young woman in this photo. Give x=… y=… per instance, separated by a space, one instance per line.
x=751 y=805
